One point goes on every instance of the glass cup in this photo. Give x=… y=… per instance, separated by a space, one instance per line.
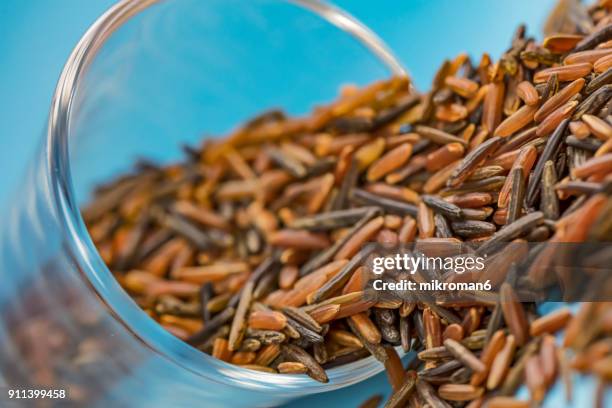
x=145 y=79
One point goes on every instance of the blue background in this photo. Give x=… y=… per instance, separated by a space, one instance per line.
x=36 y=37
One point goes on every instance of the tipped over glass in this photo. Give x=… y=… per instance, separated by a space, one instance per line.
x=148 y=77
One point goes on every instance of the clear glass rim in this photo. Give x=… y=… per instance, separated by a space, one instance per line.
x=90 y=263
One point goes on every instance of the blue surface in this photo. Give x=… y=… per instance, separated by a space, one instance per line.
x=36 y=37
